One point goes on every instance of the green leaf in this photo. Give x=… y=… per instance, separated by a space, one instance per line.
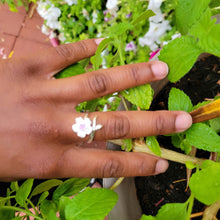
x=185 y=146
x=46 y=206
x=127 y=145
x=179 y=101
x=176 y=140
x=180 y=55
x=52 y=215
x=148 y=217
x=170 y=211
x=140 y=96
x=152 y=143
x=73 y=70
x=70 y=187
x=23 y=192
x=145 y=15
x=215 y=124
x=6 y=214
x=14 y=186
x=203 y=137
x=190 y=165
x=43 y=196
x=188 y=13
x=45 y=186
x=91 y=204
x=208 y=34
x=97 y=58
x=205 y=184
x=119 y=28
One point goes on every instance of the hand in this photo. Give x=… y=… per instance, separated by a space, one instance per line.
x=37 y=113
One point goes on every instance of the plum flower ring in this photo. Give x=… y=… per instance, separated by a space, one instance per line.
x=84 y=126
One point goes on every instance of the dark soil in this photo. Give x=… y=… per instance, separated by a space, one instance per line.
x=201 y=83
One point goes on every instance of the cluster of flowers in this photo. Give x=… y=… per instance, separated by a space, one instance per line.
x=157 y=28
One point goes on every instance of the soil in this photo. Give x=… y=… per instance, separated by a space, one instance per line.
x=201 y=83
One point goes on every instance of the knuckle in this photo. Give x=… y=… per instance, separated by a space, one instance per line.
x=134 y=73
x=83 y=47
x=98 y=84
x=43 y=129
x=160 y=124
x=112 y=168
x=64 y=51
x=117 y=127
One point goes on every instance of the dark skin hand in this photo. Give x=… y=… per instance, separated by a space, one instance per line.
x=37 y=113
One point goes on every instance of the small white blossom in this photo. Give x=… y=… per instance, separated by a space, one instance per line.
x=131 y=47
x=112 y=7
x=71 y=2
x=154 y=5
x=45 y=29
x=111 y=4
x=157 y=28
x=82 y=126
x=61 y=37
x=94 y=16
x=85 y=13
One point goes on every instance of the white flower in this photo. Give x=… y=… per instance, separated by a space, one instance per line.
x=61 y=37
x=85 y=13
x=155 y=32
x=82 y=126
x=71 y=2
x=111 y=4
x=45 y=29
x=154 y=5
x=52 y=14
x=94 y=16
x=112 y=7
x=131 y=47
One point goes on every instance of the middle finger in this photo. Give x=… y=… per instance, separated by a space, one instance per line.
x=96 y=84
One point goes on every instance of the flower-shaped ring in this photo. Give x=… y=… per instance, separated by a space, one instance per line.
x=84 y=126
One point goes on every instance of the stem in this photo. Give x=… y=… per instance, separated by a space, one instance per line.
x=21 y=210
x=33 y=206
x=190 y=206
x=211 y=211
x=166 y=154
x=124 y=102
x=120 y=52
x=117 y=183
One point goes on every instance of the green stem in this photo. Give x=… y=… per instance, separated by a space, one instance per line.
x=33 y=206
x=117 y=183
x=165 y=153
x=7 y=198
x=21 y=210
x=120 y=52
x=190 y=206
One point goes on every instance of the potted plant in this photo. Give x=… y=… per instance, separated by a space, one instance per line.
x=177 y=32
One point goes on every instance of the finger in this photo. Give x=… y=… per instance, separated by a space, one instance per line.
x=51 y=61
x=79 y=162
x=103 y=82
x=122 y=125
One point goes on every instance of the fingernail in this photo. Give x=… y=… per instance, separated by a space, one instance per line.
x=159 y=69
x=161 y=166
x=183 y=122
x=99 y=40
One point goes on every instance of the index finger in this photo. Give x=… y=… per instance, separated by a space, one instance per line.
x=54 y=59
